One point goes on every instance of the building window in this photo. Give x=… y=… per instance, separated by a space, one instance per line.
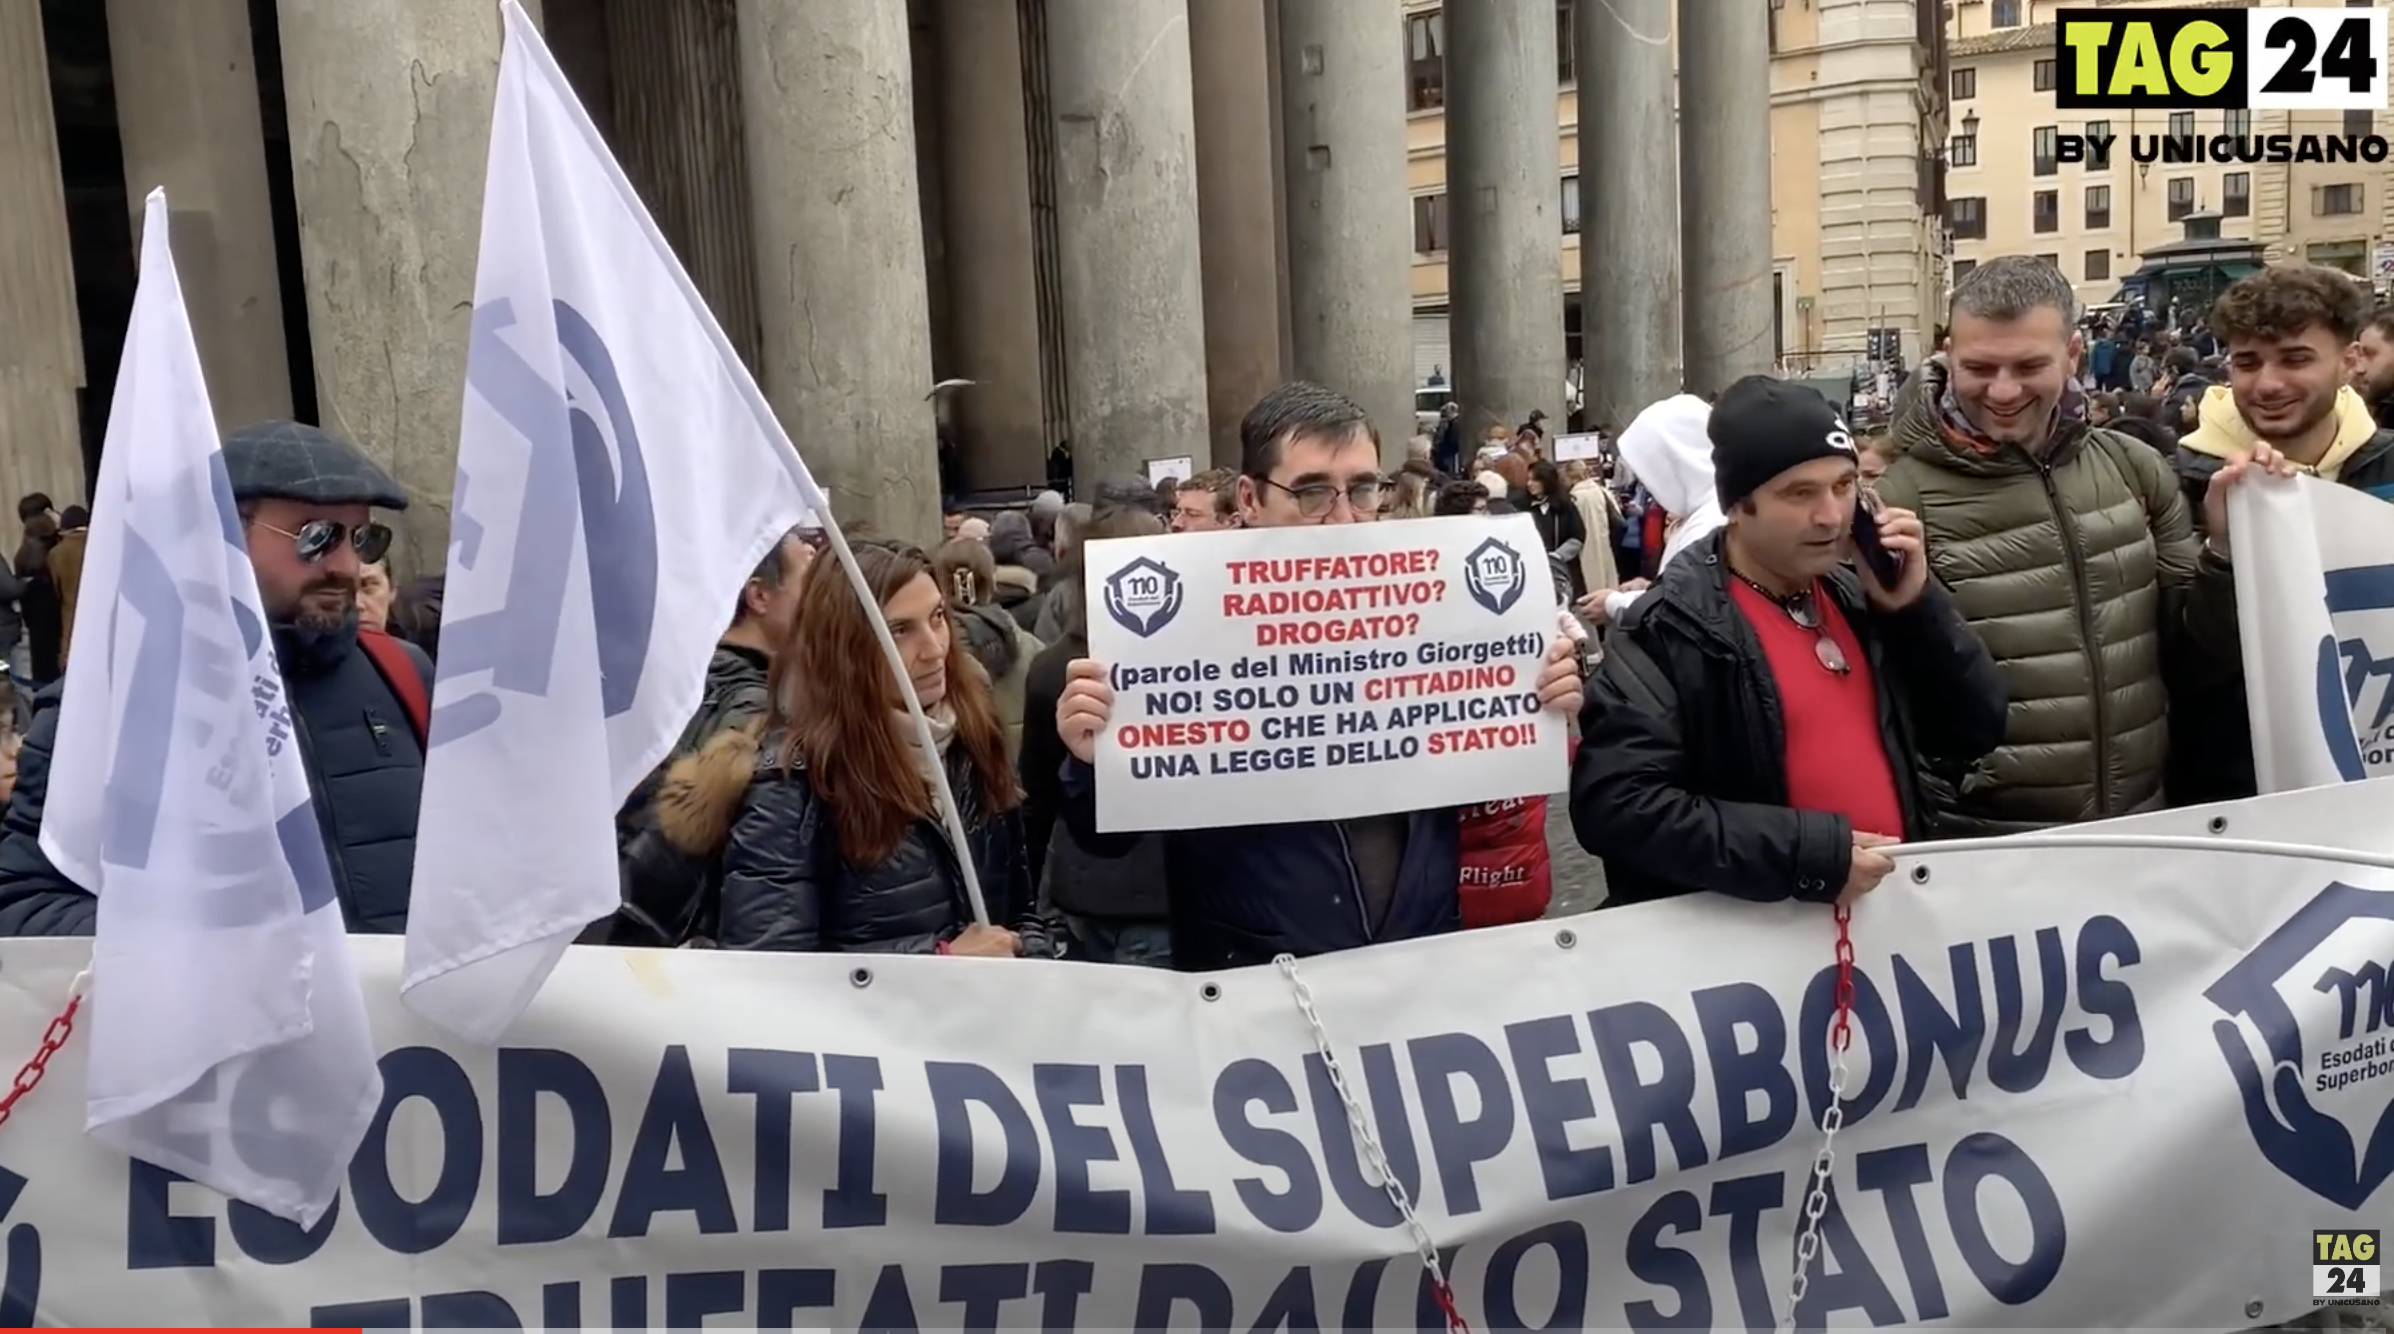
x=2004 y=14
x=2100 y=129
x=2236 y=124
x=1964 y=152
x=2181 y=196
x=2043 y=74
x=1571 y=205
x=1776 y=6
x=2047 y=206
x=1967 y=218
x=2181 y=124
x=1562 y=41
x=2051 y=261
x=1965 y=83
x=2345 y=255
x=1962 y=268
x=2236 y=195
x=2333 y=201
x=2358 y=123
x=2098 y=265
x=1429 y=224
x=1425 y=61
x=2098 y=207
x=2047 y=151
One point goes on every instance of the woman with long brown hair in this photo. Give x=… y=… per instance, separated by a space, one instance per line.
x=825 y=817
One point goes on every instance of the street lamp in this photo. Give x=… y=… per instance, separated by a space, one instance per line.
x=1970 y=126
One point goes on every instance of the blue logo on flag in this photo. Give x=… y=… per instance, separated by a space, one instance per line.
x=2339 y=1161
x=570 y=475
x=1143 y=596
x=1495 y=575
x=2345 y=668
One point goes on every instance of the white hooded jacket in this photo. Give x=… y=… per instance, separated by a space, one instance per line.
x=1668 y=448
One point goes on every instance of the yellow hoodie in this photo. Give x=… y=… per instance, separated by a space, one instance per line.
x=2221 y=433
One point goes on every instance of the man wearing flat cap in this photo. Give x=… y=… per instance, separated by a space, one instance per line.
x=357 y=696
x=1763 y=714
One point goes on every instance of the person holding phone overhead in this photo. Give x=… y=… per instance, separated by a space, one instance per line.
x=1763 y=715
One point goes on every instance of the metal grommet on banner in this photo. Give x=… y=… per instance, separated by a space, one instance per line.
x=1920 y=875
x=1566 y=938
x=2252 y=1309
x=860 y=977
x=2218 y=825
x=1210 y=992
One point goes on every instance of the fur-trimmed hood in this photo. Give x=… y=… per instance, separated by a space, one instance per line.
x=702 y=790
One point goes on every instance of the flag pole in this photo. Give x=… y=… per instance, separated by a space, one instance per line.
x=520 y=26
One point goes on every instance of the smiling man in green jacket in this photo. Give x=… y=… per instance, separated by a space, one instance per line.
x=2068 y=548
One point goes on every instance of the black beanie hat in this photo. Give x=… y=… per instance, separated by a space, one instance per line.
x=1762 y=426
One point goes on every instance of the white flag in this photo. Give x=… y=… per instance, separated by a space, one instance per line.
x=229 y=1039
x=2315 y=607
x=618 y=478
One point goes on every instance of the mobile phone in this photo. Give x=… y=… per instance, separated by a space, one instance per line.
x=1883 y=563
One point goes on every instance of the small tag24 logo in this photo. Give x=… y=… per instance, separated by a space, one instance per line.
x=2345 y=1268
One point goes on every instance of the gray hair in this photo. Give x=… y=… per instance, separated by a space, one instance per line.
x=2009 y=286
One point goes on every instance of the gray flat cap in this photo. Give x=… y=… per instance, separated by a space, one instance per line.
x=296 y=461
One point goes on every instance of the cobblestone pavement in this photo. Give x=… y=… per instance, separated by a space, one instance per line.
x=1578 y=877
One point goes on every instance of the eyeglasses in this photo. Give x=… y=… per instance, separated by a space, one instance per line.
x=317 y=537
x=1315 y=499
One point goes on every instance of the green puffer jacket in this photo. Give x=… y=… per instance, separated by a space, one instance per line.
x=2070 y=569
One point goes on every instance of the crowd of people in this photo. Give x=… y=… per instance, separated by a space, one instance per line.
x=1785 y=645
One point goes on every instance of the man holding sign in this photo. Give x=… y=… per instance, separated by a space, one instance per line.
x=1241 y=895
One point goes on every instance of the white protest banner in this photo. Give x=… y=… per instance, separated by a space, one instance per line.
x=2089 y=1089
x=2315 y=607
x=1322 y=671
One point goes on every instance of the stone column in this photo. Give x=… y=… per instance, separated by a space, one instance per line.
x=390 y=129
x=1127 y=223
x=992 y=272
x=828 y=86
x=677 y=130
x=1237 y=213
x=41 y=335
x=187 y=113
x=1504 y=198
x=1724 y=189
x=1350 y=244
x=1629 y=208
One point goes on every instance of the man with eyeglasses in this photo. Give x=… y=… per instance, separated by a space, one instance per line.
x=358 y=697
x=1308 y=455
x=1763 y=713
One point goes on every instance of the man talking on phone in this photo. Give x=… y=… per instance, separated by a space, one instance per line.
x=1762 y=715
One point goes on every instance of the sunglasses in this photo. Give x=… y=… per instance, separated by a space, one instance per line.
x=317 y=537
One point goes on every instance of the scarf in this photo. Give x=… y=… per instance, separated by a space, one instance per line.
x=2069 y=412
x=2221 y=431
x=931 y=765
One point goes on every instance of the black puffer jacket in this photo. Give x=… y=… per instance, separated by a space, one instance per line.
x=735 y=695
x=784 y=886
x=365 y=768
x=1681 y=780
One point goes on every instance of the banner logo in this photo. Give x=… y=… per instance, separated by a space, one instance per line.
x=1143 y=596
x=1495 y=575
x=2321 y=1112
x=575 y=491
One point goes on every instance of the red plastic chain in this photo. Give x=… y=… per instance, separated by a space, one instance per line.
x=1841 y=1033
x=1443 y=1293
x=30 y=1074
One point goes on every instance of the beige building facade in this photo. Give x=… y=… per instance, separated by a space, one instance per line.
x=874 y=197
x=1856 y=127
x=2007 y=192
